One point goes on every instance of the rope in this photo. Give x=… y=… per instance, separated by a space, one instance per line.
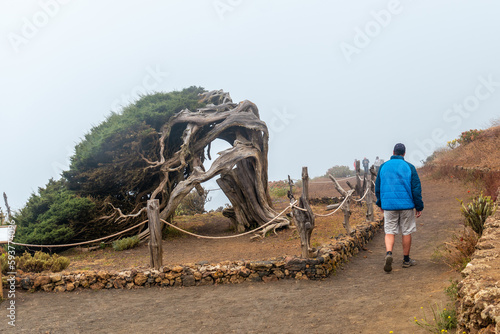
x=331 y=213
x=230 y=236
x=366 y=192
x=84 y=242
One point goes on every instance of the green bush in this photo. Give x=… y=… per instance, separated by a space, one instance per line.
x=3 y=263
x=193 y=203
x=278 y=189
x=126 y=243
x=339 y=171
x=41 y=261
x=477 y=211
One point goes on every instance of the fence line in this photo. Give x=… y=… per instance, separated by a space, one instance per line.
x=292 y=205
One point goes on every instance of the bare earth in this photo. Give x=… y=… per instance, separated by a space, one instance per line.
x=361 y=298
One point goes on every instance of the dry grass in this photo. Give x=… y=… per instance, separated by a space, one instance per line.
x=483 y=154
x=458 y=252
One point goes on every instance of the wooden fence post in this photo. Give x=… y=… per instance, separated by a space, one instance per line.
x=304 y=220
x=347 y=205
x=369 y=201
x=155 y=225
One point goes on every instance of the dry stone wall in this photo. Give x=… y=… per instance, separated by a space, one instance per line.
x=479 y=291
x=329 y=258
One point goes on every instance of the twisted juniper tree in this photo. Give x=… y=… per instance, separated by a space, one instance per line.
x=156 y=148
x=185 y=142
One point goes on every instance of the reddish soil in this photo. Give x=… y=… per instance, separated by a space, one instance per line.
x=361 y=298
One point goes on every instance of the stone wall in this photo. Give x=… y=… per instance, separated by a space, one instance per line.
x=329 y=258
x=479 y=291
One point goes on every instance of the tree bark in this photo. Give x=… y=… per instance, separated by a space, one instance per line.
x=304 y=220
x=242 y=168
x=155 y=227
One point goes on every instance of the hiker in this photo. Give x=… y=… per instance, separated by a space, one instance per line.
x=366 y=162
x=377 y=164
x=399 y=196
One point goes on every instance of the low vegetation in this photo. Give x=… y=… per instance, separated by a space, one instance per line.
x=126 y=243
x=477 y=211
x=443 y=318
x=37 y=262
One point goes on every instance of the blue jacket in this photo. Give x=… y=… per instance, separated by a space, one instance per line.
x=398 y=186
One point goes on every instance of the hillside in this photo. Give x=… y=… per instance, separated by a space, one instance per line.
x=475 y=159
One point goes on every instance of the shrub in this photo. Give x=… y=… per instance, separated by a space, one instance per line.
x=477 y=211
x=458 y=252
x=126 y=243
x=469 y=136
x=193 y=203
x=442 y=320
x=339 y=171
x=3 y=263
x=41 y=261
x=278 y=189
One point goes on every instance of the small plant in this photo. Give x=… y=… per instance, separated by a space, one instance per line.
x=278 y=189
x=477 y=211
x=41 y=261
x=442 y=320
x=4 y=265
x=469 y=136
x=458 y=252
x=452 y=290
x=126 y=243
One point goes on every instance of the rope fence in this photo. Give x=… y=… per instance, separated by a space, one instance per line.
x=292 y=205
x=83 y=242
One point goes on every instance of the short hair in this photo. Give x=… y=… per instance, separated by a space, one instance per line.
x=399 y=149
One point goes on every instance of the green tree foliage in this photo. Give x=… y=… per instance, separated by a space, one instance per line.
x=109 y=160
x=339 y=171
x=53 y=216
x=108 y=167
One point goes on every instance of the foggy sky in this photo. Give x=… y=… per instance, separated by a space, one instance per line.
x=333 y=80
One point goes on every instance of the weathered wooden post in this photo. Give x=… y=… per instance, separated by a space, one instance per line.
x=155 y=225
x=347 y=205
x=358 y=187
x=304 y=219
x=370 y=214
x=369 y=202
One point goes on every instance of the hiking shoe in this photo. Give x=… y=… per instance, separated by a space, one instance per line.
x=388 y=263
x=408 y=264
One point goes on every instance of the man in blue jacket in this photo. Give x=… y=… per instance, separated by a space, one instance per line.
x=399 y=195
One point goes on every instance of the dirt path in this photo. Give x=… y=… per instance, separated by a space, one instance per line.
x=359 y=299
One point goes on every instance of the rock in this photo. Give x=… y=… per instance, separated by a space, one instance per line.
x=26 y=283
x=197 y=275
x=270 y=278
x=130 y=285
x=140 y=279
x=56 y=277
x=119 y=283
x=85 y=283
x=254 y=277
x=60 y=288
x=260 y=265
x=245 y=272
x=177 y=269
x=206 y=281
x=296 y=264
x=48 y=287
x=97 y=286
x=70 y=287
x=41 y=280
x=103 y=275
x=188 y=280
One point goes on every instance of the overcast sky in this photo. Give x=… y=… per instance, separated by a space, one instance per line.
x=334 y=80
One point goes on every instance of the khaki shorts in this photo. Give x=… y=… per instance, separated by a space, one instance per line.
x=400 y=221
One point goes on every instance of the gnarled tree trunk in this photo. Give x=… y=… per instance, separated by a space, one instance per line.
x=185 y=144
